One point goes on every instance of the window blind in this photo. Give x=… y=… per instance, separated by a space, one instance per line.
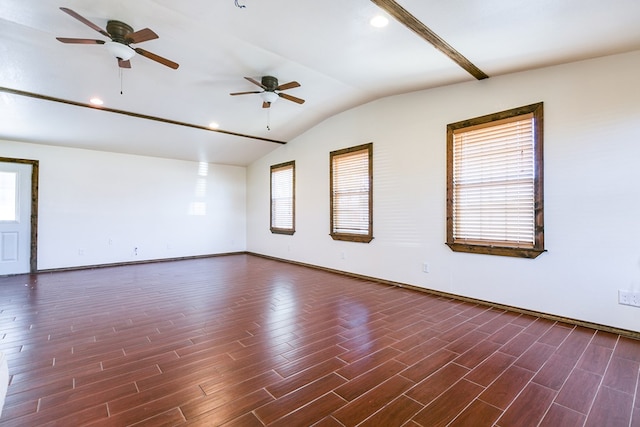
x=282 y=197
x=493 y=183
x=351 y=192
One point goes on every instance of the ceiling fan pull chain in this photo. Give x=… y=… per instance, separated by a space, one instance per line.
x=268 y=118
x=121 y=77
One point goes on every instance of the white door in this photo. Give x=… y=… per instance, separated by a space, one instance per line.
x=15 y=218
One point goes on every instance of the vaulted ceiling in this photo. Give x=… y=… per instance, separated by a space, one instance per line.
x=329 y=47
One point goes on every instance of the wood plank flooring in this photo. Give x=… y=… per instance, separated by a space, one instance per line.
x=244 y=341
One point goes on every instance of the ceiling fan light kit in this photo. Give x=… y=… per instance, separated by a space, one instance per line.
x=269 y=97
x=119 y=50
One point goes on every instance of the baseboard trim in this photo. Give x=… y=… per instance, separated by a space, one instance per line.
x=571 y=321
x=147 y=261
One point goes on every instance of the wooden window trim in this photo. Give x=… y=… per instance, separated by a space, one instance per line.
x=496 y=248
x=277 y=230
x=350 y=237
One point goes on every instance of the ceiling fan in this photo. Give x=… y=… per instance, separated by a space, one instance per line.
x=121 y=36
x=271 y=90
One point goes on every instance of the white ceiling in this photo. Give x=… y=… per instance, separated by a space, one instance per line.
x=327 y=46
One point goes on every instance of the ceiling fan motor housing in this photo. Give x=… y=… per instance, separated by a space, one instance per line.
x=119 y=31
x=270 y=83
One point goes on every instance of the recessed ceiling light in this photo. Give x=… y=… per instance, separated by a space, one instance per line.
x=379 y=21
x=96 y=101
x=214 y=125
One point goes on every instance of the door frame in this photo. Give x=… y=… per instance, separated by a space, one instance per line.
x=35 y=166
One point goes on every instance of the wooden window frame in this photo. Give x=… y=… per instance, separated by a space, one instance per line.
x=351 y=237
x=501 y=248
x=274 y=168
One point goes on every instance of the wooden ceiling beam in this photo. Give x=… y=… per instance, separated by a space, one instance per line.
x=415 y=25
x=132 y=114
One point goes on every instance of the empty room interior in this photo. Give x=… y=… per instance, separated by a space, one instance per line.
x=279 y=212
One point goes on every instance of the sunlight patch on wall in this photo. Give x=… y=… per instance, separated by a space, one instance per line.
x=201 y=188
x=199 y=207
x=203 y=168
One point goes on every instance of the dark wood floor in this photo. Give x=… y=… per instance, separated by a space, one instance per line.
x=245 y=341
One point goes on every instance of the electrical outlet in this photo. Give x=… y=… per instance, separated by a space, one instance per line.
x=629 y=298
x=425 y=267
x=623 y=297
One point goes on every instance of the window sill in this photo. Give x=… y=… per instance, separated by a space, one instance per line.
x=351 y=237
x=282 y=231
x=530 y=253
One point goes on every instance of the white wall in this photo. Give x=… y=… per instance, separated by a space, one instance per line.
x=97 y=207
x=592 y=196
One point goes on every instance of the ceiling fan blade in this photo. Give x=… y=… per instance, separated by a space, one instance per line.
x=255 y=82
x=289 y=85
x=124 y=64
x=85 y=21
x=266 y=104
x=291 y=98
x=244 y=93
x=79 y=41
x=157 y=58
x=141 y=36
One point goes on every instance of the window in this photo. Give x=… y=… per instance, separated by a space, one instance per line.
x=8 y=196
x=283 y=198
x=351 y=196
x=495 y=185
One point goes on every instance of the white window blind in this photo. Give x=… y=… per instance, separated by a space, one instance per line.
x=493 y=183
x=282 y=197
x=351 y=191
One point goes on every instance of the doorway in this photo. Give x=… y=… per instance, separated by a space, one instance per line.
x=18 y=216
